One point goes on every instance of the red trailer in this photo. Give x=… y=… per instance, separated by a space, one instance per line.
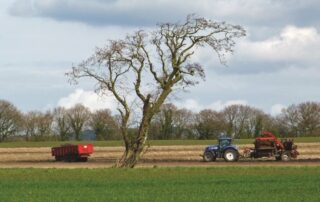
x=72 y=153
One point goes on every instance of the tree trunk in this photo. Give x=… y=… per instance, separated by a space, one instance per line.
x=135 y=148
x=77 y=134
x=133 y=151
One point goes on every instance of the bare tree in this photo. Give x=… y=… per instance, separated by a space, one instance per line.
x=289 y=119
x=78 y=117
x=103 y=124
x=235 y=117
x=163 y=123
x=62 y=126
x=10 y=119
x=183 y=123
x=255 y=122
x=209 y=124
x=37 y=125
x=171 y=123
x=149 y=67
x=30 y=124
x=45 y=121
x=301 y=119
x=309 y=118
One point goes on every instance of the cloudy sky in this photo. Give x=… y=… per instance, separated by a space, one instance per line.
x=276 y=65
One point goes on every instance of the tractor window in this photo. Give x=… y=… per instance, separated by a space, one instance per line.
x=224 y=143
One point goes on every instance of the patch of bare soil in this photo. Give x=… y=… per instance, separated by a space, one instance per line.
x=156 y=156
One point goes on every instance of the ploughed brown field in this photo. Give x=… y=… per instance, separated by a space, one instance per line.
x=155 y=156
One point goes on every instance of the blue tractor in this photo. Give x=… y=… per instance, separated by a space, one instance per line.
x=223 y=150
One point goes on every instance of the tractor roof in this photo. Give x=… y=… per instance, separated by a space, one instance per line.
x=225 y=138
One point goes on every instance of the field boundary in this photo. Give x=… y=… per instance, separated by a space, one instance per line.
x=114 y=143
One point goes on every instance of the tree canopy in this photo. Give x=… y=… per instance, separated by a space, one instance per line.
x=143 y=69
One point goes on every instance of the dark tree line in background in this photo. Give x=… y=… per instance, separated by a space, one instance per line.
x=238 y=121
x=57 y=124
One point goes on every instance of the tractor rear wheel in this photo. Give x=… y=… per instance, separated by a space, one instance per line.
x=286 y=156
x=230 y=155
x=209 y=156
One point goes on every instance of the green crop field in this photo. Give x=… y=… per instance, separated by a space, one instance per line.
x=151 y=142
x=162 y=184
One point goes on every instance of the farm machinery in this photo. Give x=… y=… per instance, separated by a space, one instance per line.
x=267 y=145
x=224 y=149
x=72 y=153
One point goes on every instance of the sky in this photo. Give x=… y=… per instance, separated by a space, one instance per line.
x=277 y=64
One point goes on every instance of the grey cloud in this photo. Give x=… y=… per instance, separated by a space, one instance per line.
x=97 y=12
x=36 y=85
x=304 y=13
x=254 y=67
x=146 y=12
x=246 y=66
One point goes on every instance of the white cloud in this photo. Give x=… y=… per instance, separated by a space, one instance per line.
x=194 y=105
x=277 y=109
x=89 y=99
x=293 y=44
x=219 y=105
x=190 y=104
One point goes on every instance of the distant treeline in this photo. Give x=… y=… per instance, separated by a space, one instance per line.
x=238 y=121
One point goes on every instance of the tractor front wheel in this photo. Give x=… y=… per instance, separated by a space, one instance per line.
x=209 y=156
x=286 y=156
x=230 y=155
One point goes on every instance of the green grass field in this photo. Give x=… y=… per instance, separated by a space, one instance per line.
x=151 y=142
x=162 y=184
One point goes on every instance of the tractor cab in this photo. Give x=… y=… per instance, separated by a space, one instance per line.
x=224 y=142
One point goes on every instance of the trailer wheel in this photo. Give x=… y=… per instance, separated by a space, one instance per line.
x=209 y=156
x=70 y=158
x=286 y=156
x=278 y=158
x=67 y=158
x=83 y=159
x=58 y=158
x=230 y=155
